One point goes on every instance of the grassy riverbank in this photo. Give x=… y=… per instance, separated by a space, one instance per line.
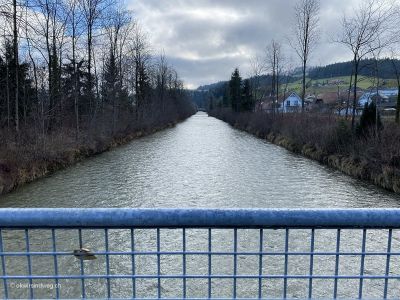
x=29 y=158
x=329 y=141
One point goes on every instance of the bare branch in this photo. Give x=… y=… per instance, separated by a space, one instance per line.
x=305 y=34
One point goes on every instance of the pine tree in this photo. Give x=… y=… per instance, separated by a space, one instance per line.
x=69 y=85
x=368 y=121
x=113 y=93
x=110 y=86
x=225 y=96
x=110 y=79
x=235 y=91
x=247 y=99
x=26 y=92
x=142 y=89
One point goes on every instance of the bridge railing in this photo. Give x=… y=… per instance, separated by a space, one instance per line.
x=200 y=253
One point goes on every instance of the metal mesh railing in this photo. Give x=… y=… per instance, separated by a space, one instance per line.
x=199 y=254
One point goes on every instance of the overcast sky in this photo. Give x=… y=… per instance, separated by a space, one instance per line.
x=206 y=39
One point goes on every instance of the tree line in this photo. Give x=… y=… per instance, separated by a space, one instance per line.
x=367 y=68
x=235 y=94
x=82 y=65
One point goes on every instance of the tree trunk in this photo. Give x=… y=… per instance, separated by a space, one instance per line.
x=273 y=79
x=303 y=92
x=8 y=92
x=76 y=105
x=353 y=117
x=277 y=90
x=398 y=103
x=137 y=92
x=34 y=68
x=49 y=67
x=16 y=61
x=90 y=79
x=25 y=104
x=376 y=99
x=95 y=98
x=348 y=96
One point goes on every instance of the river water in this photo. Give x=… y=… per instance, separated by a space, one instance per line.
x=205 y=163
x=202 y=162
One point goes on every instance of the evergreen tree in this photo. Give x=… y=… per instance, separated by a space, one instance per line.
x=68 y=80
x=368 y=120
x=110 y=87
x=235 y=91
x=26 y=92
x=114 y=94
x=225 y=96
x=110 y=79
x=247 y=98
x=142 y=89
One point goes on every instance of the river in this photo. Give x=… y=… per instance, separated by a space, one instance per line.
x=201 y=162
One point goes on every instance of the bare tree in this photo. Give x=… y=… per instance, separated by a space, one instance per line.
x=93 y=10
x=75 y=18
x=48 y=38
x=376 y=56
x=140 y=53
x=274 y=61
x=257 y=68
x=289 y=71
x=162 y=73
x=7 y=77
x=365 y=32
x=349 y=94
x=16 y=61
x=41 y=43
x=118 y=19
x=305 y=35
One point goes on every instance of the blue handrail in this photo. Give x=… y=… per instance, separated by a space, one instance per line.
x=324 y=252
x=198 y=218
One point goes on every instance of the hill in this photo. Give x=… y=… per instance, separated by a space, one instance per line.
x=331 y=84
x=321 y=79
x=367 y=68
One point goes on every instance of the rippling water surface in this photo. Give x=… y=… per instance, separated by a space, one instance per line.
x=202 y=162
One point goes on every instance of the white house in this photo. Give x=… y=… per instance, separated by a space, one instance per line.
x=383 y=93
x=291 y=103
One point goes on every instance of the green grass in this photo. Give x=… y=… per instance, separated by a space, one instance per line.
x=363 y=83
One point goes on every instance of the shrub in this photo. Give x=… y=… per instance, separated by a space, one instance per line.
x=368 y=120
x=340 y=140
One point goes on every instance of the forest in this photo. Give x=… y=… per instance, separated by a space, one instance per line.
x=77 y=77
x=387 y=69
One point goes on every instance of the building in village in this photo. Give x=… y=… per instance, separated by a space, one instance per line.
x=383 y=97
x=334 y=101
x=291 y=103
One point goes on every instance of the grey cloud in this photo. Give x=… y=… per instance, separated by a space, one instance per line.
x=205 y=40
x=206 y=70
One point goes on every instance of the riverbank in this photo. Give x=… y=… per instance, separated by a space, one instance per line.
x=329 y=141
x=25 y=162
